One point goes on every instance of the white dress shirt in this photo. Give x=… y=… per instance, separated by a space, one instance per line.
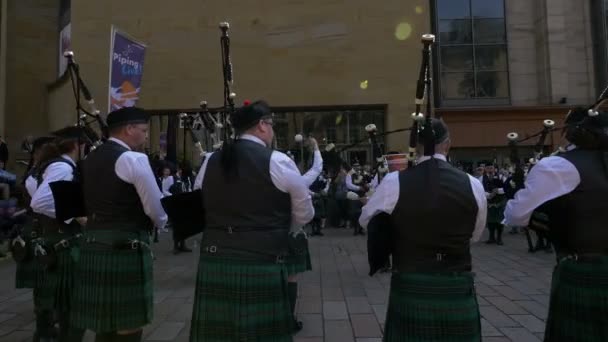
x=349 y=182
x=42 y=200
x=31 y=184
x=286 y=177
x=134 y=168
x=166 y=183
x=550 y=178
x=317 y=166
x=387 y=194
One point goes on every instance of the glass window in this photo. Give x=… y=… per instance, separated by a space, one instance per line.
x=488 y=8
x=491 y=57
x=453 y=9
x=455 y=31
x=457 y=58
x=489 y=31
x=473 y=58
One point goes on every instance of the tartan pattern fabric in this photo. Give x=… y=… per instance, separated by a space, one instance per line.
x=578 y=308
x=298 y=262
x=55 y=286
x=115 y=289
x=432 y=308
x=240 y=301
x=26 y=274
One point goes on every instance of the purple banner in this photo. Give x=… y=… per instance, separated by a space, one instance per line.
x=126 y=69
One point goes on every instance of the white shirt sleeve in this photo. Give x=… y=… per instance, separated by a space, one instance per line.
x=134 y=168
x=383 y=200
x=30 y=185
x=550 y=178
x=374 y=183
x=317 y=166
x=166 y=184
x=42 y=200
x=198 y=182
x=349 y=183
x=287 y=178
x=482 y=208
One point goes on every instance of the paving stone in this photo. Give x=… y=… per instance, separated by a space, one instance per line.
x=530 y=322
x=332 y=294
x=310 y=305
x=510 y=293
x=534 y=308
x=488 y=329
x=365 y=325
x=312 y=325
x=506 y=305
x=496 y=317
x=338 y=331
x=358 y=305
x=380 y=312
x=334 y=311
x=166 y=331
x=520 y=335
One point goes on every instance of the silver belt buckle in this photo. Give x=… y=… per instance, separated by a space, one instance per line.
x=439 y=256
x=230 y=230
x=135 y=244
x=211 y=249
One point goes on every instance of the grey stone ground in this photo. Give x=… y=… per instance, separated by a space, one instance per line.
x=338 y=302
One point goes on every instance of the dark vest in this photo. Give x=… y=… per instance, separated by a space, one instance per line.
x=433 y=222
x=578 y=219
x=111 y=203
x=249 y=203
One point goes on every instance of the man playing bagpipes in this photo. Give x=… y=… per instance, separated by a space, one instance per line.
x=23 y=245
x=572 y=188
x=56 y=247
x=253 y=197
x=114 y=294
x=495 y=194
x=428 y=215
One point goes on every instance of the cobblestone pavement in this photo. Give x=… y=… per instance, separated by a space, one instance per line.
x=338 y=300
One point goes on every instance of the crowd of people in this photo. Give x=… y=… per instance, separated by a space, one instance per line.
x=93 y=270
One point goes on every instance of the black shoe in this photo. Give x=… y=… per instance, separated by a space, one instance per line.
x=490 y=241
x=296 y=326
x=499 y=242
x=320 y=234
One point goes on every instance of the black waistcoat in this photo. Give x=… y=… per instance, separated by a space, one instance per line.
x=579 y=219
x=434 y=219
x=111 y=203
x=249 y=202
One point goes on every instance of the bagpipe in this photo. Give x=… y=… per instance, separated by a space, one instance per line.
x=186 y=211
x=379 y=239
x=68 y=195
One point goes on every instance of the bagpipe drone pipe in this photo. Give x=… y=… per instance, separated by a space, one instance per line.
x=186 y=211
x=69 y=199
x=379 y=238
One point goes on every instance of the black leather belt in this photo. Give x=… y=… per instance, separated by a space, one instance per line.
x=132 y=244
x=441 y=262
x=242 y=254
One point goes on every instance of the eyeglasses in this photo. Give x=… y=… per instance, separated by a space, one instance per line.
x=268 y=122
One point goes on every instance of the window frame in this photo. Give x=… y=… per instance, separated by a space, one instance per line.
x=438 y=72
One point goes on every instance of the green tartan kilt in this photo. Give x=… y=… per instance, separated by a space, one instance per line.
x=240 y=300
x=298 y=261
x=115 y=287
x=26 y=274
x=432 y=308
x=578 y=309
x=54 y=286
